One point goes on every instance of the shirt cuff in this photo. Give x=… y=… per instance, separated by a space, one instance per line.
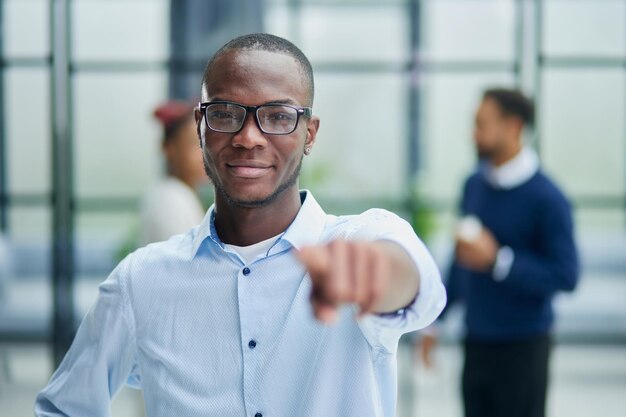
x=398 y=312
x=504 y=262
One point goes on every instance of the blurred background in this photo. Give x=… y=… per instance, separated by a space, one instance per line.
x=397 y=84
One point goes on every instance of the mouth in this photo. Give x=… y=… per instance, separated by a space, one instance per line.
x=248 y=169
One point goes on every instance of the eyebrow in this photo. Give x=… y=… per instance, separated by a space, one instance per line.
x=280 y=101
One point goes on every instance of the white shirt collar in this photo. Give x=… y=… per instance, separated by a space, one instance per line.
x=514 y=172
x=305 y=229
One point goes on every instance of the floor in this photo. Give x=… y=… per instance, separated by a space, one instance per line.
x=585 y=380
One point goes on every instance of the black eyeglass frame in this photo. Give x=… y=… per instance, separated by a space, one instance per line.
x=301 y=111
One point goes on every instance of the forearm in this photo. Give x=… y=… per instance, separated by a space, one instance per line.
x=404 y=279
x=539 y=276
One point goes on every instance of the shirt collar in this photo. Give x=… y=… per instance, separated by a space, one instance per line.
x=306 y=228
x=514 y=172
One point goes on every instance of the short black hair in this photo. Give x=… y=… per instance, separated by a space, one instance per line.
x=513 y=103
x=269 y=43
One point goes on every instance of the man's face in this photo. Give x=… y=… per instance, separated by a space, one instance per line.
x=490 y=129
x=250 y=168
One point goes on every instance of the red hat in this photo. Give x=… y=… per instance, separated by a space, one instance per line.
x=173 y=111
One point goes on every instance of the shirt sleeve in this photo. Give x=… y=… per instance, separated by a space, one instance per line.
x=99 y=360
x=384 y=330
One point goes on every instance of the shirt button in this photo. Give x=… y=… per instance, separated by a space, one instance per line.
x=246 y=271
x=258 y=415
x=251 y=344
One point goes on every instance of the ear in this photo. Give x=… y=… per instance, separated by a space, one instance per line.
x=312 y=126
x=197 y=114
x=515 y=126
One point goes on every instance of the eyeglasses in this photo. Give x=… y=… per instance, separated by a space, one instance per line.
x=273 y=119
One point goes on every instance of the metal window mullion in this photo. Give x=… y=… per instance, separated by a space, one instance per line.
x=4 y=224
x=414 y=71
x=518 y=41
x=538 y=67
x=62 y=218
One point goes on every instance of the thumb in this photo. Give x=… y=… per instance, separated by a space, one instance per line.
x=316 y=259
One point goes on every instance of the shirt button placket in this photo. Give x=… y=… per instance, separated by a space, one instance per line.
x=252 y=344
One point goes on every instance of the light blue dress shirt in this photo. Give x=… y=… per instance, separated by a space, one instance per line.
x=203 y=334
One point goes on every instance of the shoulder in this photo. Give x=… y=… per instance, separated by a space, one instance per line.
x=473 y=181
x=547 y=191
x=169 y=189
x=163 y=187
x=154 y=257
x=170 y=198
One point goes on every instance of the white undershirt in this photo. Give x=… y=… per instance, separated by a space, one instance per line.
x=250 y=253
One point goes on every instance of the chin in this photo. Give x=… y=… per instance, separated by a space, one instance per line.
x=483 y=154
x=249 y=200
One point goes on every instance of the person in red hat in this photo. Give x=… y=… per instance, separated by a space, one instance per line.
x=172 y=205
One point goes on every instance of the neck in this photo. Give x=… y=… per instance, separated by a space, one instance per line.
x=245 y=226
x=174 y=173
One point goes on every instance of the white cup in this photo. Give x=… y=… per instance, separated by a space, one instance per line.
x=469 y=229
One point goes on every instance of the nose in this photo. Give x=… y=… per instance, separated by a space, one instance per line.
x=250 y=135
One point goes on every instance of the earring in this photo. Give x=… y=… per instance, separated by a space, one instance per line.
x=307 y=150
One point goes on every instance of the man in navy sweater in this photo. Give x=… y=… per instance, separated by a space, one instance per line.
x=514 y=251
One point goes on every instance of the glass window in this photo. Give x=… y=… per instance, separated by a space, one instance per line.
x=27 y=130
x=117 y=141
x=26 y=293
x=30 y=225
x=279 y=20
x=120 y=30
x=188 y=84
x=468 y=30
x=344 y=2
x=609 y=221
x=585 y=27
x=360 y=149
x=583 y=130
x=102 y=240
x=26 y=28
x=449 y=103
x=350 y=33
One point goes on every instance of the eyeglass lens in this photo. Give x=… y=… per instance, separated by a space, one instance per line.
x=272 y=118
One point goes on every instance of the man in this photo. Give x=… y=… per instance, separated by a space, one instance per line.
x=218 y=321
x=514 y=251
x=172 y=206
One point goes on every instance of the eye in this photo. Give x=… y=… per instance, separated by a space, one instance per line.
x=217 y=114
x=278 y=116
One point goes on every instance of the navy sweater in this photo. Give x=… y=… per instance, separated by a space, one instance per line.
x=534 y=219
